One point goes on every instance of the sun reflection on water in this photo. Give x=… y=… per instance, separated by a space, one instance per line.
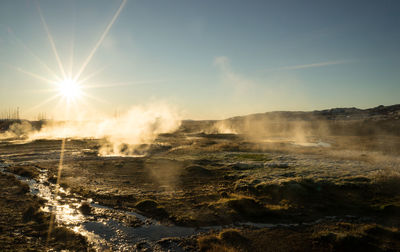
x=68 y=215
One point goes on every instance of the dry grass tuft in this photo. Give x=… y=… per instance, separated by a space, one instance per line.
x=229 y=240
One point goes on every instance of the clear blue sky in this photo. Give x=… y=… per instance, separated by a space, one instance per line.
x=211 y=59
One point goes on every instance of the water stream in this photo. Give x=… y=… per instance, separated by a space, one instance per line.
x=108 y=228
x=105 y=228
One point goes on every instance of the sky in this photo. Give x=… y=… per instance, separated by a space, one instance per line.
x=209 y=59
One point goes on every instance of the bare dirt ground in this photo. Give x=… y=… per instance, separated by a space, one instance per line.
x=208 y=192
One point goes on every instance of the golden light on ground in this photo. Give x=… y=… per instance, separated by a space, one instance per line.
x=69 y=89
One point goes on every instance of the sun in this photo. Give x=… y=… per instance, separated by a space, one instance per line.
x=69 y=89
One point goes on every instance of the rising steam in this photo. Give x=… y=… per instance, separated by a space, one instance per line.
x=139 y=125
x=18 y=130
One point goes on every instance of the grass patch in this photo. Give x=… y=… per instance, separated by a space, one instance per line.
x=252 y=157
x=355 y=237
x=25 y=171
x=23 y=188
x=241 y=207
x=151 y=208
x=234 y=238
x=198 y=171
x=229 y=240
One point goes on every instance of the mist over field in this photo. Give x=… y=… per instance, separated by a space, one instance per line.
x=199 y=126
x=138 y=125
x=256 y=173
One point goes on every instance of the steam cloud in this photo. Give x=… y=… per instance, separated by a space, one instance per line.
x=274 y=126
x=18 y=130
x=123 y=134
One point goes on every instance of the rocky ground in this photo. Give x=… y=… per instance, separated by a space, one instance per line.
x=285 y=181
x=322 y=195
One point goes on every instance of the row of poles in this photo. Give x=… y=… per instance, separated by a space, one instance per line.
x=10 y=114
x=14 y=114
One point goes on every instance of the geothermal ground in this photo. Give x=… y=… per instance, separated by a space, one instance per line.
x=191 y=191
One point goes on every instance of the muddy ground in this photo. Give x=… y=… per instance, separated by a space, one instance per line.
x=267 y=194
x=24 y=227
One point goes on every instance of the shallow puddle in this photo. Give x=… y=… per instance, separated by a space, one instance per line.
x=102 y=231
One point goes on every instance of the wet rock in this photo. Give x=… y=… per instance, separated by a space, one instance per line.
x=64 y=185
x=85 y=208
x=52 y=179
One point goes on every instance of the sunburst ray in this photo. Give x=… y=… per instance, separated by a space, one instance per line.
x=37 y=58
x=121 y=84
x=43 y=103
x=100 y=41
x=91 y=75
x=51 y=40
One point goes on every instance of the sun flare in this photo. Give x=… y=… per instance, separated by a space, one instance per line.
x=69 y=89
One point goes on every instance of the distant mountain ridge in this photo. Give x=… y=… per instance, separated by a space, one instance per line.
x=379 y=112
